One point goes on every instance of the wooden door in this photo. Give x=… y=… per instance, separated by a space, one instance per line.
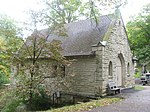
x=119 y=72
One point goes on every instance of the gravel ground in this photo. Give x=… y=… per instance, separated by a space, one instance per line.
x=135 y=101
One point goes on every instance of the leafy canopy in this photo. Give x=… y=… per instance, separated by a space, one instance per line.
x=139 y=35
x=59 y=12
x=9 y=42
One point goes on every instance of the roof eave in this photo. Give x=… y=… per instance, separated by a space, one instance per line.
x=86 y=54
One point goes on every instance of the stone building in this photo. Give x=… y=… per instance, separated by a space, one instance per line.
x=102 y=54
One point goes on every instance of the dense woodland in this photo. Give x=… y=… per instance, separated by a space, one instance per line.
x=55 y=15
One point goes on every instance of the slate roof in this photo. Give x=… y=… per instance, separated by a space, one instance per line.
x=82 y=35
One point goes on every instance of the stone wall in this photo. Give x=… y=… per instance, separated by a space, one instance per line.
x=117 y=45
x=83 y=76
x=84 y=71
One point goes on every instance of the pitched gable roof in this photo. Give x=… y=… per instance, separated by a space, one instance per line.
x=84 y=34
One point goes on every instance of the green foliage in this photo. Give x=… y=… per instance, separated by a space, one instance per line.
x=137 y=75
x=90 y=10
x=40 y=101
x=31 y=71
x=9 y=34
x=3 y=79
x=8 y=29
x=139 y=36
x=10 y=42
x=8 y=101
x=11 y=106
x=60 y=12
x=138 y=88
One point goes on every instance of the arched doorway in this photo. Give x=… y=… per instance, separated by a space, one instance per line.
x=120 y=70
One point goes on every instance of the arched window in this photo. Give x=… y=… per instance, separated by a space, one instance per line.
x=128 y=69
x=110 y=69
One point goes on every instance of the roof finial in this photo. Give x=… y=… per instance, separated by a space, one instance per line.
x=118 y=6
x=117 y=11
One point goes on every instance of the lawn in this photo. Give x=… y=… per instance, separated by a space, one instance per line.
x=86 y=106
x=137 y=87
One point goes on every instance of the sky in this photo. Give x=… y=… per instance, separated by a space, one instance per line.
x=16 y=9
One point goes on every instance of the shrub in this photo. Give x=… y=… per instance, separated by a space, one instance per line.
x=11 y=106
x=8 y=101
x=40 y=101
x=3 y=79
x=137 y=75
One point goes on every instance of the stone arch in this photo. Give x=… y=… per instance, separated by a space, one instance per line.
x=120 y=70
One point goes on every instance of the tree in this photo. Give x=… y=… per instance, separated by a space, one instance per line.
x=139 y=35
x=60 y=12
x=29 y=69
x=10 y=42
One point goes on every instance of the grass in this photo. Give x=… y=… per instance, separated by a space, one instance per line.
x=86 y=106
x=137 y=75
x=137 y=87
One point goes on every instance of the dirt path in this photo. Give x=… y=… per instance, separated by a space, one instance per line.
x=138 y=101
